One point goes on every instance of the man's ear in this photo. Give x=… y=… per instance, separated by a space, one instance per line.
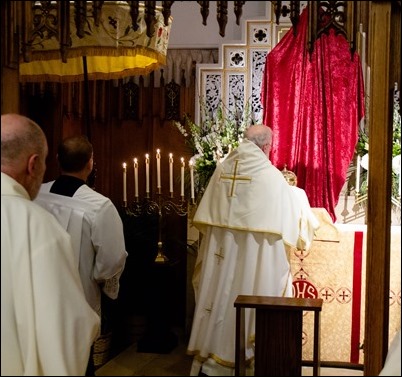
x=32 y=165
x=90 y=164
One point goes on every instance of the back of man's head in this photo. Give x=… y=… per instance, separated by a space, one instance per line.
x=23 y=151
x=20 y=136
x=74 y=153
x=259 y=134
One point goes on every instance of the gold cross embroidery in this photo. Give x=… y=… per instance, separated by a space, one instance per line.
x=219 y=254
x=235 y=178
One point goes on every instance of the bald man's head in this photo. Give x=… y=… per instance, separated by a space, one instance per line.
x=23 y=151
x=261 y=136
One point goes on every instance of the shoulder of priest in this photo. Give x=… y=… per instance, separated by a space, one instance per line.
x=246 y=192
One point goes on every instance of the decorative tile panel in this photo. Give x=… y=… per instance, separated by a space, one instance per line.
x=237 y=78
x=257 y=67
x=213 y=91
x=286 y=5
x=235 y=57
x=236 y=91
x=259 y=34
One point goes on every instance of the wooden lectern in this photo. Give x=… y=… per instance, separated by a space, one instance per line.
x=278 y=334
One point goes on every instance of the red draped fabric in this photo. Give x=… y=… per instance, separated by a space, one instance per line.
x=314 y=108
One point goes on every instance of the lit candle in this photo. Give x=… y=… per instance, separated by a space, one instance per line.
x=136 y=177
x=158 y=168
x=182 y=177
x=357 y=188
x=147 y=173
x=190 y=164
x=171 y=172
x=124 y=182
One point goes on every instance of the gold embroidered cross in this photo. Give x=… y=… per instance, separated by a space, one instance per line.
x=235 y=178
x=219 y=254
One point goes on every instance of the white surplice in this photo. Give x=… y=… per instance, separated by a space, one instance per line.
x=97 y=233
x=47 y=326
x=248 y=216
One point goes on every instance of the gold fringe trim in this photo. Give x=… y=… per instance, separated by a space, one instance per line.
x=98 y=51
x=136 y=71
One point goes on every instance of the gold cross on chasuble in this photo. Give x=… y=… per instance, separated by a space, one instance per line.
x=235 y=178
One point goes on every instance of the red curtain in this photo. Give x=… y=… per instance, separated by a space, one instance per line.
x=314 y=108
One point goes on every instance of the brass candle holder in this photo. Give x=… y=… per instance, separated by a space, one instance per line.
x=161 y=206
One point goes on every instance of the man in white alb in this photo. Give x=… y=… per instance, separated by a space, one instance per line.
x=248 y=216
x=91 y=219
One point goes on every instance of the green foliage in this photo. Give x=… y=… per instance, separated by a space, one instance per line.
x=215 y=136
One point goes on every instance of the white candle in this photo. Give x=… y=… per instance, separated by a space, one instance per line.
x=182 y=177
x=147 y=173
x=357 y=188
x=190 y=164
x=124 y=182
x=136 y=177
x=158 y=168
x=171 y=172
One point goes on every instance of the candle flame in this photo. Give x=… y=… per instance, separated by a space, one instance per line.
x=124 y=165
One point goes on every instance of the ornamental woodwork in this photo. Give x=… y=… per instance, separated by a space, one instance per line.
x=52 y=19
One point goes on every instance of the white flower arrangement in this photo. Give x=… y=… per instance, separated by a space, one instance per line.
x=212 y=139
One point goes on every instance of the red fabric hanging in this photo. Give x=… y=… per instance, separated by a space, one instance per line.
x=314 y=108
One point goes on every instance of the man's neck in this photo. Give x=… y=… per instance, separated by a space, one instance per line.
x=80 y=175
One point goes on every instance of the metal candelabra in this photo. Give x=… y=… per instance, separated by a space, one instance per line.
x=161 y=206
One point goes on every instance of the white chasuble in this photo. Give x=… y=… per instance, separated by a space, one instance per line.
x=247 y=216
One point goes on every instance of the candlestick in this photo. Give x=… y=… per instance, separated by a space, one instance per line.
x=357 y=185
x=124 y=182
x=158 y=168
x=136 y=177
x=171 y=173
x=182 y=177
x=190 y=164
x=147 y=174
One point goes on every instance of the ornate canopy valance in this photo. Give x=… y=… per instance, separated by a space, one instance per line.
x=62 y=33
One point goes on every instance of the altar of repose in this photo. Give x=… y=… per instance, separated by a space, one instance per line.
x=334 y=270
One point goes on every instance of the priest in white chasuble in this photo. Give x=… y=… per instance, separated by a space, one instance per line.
x=248 y=217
